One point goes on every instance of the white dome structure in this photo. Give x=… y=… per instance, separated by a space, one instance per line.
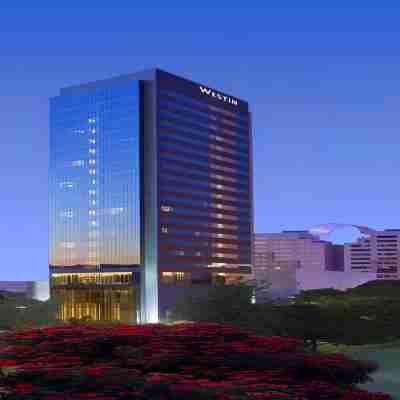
x=326 y=229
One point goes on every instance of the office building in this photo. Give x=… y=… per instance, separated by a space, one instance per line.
x=298 y=246
x=150 y=194
x=294 y=260
x=377 y=253
x=300 y=260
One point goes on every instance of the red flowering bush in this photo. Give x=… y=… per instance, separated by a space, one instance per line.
x=181 y=362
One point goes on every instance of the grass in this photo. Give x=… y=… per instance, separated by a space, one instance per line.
x=387 y=378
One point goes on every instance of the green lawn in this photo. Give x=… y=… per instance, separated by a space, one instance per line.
x=387 y=378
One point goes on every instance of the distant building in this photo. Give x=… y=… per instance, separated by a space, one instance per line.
x=298 y=246
x=299 y=260
x=25 y=287
x=282 y=277
x=41 y=290
x=38 y=290
x=294 y=260
x=377 y=254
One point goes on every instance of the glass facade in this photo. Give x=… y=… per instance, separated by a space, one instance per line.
x=150 y=174
x=94 y=200
x=205 y=189
x=101 y=303
x=95 y=176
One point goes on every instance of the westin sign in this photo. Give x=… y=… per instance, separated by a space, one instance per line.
x=219 y=96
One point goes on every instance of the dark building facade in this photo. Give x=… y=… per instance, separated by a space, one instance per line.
x=150 y=193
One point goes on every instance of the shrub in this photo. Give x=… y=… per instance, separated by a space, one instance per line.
x=185 y=361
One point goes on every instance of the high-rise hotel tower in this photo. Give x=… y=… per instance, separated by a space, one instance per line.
x=150 y=194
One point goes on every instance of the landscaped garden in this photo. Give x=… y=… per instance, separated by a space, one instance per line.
x=171 y=362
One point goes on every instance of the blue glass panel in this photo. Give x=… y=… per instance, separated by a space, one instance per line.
x=95 y=175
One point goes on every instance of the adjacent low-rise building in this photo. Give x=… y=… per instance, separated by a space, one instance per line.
x=38 y=290
x=377 y=254
x=300 y=260
x=295 y=260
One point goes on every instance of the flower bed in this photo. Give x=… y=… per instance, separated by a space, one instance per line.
x=180 y=362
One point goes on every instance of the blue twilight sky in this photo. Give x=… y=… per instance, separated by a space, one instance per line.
x=323 y=85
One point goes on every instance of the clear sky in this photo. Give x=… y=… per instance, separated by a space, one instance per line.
x=323 y=85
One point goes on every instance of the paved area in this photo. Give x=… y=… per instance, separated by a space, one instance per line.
x=387 y=378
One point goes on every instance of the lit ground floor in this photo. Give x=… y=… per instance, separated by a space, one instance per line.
x=124 y=294
x=98 y=303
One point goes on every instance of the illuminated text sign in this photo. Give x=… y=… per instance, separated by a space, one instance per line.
x=219 y=96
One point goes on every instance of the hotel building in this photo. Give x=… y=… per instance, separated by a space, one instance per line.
x=150 y=194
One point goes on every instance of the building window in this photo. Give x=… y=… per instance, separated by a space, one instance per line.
x=68 y=185
x=170 y=277
x=116 y=210
x=77 y=163
x=164 y=229
x=167 y=209
x=66 y=214
x=68 y=245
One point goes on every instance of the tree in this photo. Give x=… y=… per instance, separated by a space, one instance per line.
x=221 y=303
x=318 y=296
x=377 y=288
x=231 y=304
x=319 y=315
x=17 y=311
x=261 y=285
x=369 y=311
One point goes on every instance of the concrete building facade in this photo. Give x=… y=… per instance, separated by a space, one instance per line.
x=294 y=260
x=378 y=254
x=300 y=260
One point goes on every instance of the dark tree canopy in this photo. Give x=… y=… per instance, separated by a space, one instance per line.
x=316 y=315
